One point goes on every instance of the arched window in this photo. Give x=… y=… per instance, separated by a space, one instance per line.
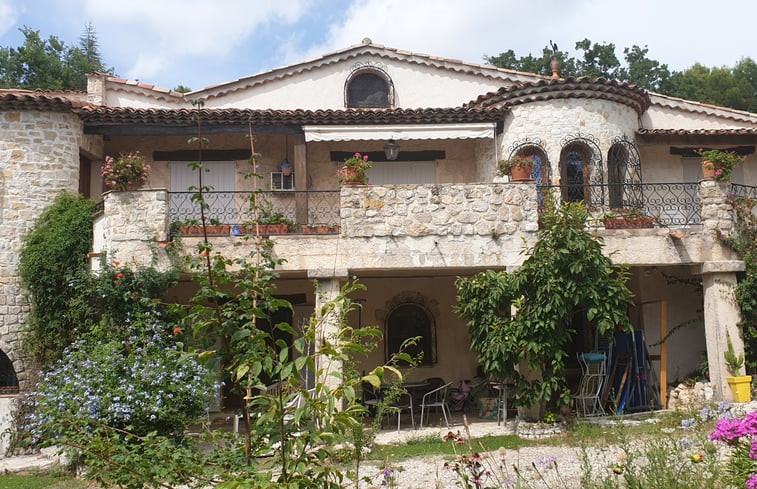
x=8 y=379
x=574 y=173
x=581 y=173
x=369 y=88
x=624 y=175
x=411 y=321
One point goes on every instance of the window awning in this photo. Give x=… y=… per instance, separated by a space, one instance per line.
x=477 y=130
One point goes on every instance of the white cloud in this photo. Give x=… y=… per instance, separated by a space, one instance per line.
x=8 y=16
x=678 y=32
x=156 y=34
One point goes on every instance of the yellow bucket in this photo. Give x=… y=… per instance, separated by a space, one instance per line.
x=741 y=388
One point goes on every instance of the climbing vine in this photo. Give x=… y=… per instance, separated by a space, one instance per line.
x=53 y=252
x=743 y=240
x=565 y=274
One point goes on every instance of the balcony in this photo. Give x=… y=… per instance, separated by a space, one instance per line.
x=669 y=204
x=300 y=212
x=420 y=226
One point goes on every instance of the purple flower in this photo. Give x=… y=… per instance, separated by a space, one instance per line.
x=728 y=430
x=751 y=483
x=753 y=450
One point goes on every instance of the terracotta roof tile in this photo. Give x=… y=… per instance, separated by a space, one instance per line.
x=181 y=117
x=41 y=100
x=738 y=131
x=582 y=87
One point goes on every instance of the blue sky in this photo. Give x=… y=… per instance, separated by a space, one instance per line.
x=201 y=43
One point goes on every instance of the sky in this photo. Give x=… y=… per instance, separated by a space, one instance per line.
x=199 y=43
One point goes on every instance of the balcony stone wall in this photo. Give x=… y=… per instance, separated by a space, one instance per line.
x=39 y=158
x=438 y=210
x=132 y=227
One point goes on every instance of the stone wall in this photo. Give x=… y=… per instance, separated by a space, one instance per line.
x=132 y=227
x=438 y=210
x=39 y=157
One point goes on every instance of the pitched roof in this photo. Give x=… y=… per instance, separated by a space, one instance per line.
x=55 y=101
x=182 y=117
x=371 y=48
x=739 y=131
x=562 y=88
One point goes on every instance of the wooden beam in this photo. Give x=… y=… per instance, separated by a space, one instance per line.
x=694 y=152
x=207 y=155
x=664 y=354
x=403 y=156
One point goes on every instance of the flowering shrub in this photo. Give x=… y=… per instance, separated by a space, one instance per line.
x=142 y=383
x=357 y=165
x=740 y=435
x=128 y=170
x=722 y=161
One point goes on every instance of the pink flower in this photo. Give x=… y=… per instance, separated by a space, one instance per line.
x=751 y=483
x=364 y=157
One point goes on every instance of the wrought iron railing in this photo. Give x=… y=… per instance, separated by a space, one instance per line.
x=298 y=208
x=671 y=204
x=744 y=190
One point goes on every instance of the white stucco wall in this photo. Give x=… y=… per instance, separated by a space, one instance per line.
x=415 y=86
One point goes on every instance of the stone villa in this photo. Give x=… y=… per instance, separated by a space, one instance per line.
x=435 y=129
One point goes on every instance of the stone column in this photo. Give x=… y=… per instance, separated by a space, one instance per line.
x=328 y=286
x=132 y=226
x=721 y=316
x=301 y=180
x=721 y=312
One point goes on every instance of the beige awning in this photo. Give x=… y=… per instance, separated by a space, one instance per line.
x=483 y=130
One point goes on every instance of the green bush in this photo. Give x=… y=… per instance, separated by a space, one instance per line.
x=53 y=252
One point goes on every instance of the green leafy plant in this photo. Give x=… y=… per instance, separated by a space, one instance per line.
x=355 y=167
x=565 y=273
x=126 y=171
x=723 y=162
x=733 y=362
x=743 y=240
x=54 y=252
x=504 y=167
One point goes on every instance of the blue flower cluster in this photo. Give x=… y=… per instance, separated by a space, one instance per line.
x=141 y=383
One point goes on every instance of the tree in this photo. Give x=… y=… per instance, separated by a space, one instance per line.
x=729 y=87
x=564 y=275
x=50 y=64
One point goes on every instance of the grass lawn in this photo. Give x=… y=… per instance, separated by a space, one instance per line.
x=435 y=446
x=40 y=481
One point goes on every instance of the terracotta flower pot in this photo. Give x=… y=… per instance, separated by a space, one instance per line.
x=520 y=173
x=350 y=176
x=708 y=170
x=629 y=222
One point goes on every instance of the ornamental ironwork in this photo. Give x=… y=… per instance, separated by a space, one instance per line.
x=624 y=174
x=535 y=147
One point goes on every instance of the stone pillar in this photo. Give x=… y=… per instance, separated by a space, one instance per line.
x=721 y=316
x=132 y=226
x=328 y=286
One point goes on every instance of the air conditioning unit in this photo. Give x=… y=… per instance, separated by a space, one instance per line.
x=279 y=181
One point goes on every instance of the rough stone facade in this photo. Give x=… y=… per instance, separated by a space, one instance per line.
x=131 y=227
x=439 y=210
x=39 y=156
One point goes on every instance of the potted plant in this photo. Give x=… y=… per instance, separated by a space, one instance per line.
x=353 y=170
x=518 y=168
x=740 y=384
x=269 y=223
x=717 y=164
x=627 y=219
x=127 y=171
